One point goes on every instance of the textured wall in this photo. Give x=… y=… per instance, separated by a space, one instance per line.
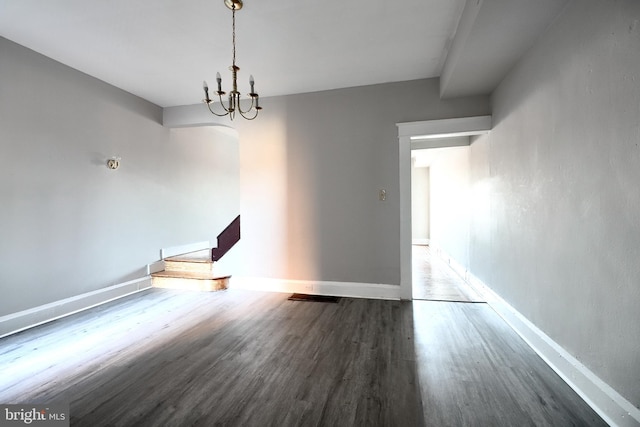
x=558 y=231
x=311 y=168
x=69 y=225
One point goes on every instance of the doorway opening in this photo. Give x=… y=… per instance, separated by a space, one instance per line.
x=440 y=222
x=426 y=135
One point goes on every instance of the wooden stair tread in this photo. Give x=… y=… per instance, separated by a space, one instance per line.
x=189 y=275
x=197 y=256
x=190 y=271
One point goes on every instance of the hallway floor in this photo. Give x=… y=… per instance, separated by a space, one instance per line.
x=435 y=280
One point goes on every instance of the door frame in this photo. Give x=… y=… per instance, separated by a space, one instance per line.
x=425 y=134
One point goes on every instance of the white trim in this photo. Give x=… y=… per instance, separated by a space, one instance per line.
x=339 y=289
x=406 y=279
x=461 y=126
x=422 y=242
x=460 y=269
x=29 y=318
x=155 y=267
x=183 y=249
x=609 y=404
x=425 y=144
x=460 y=135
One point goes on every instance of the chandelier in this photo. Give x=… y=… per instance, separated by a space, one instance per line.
x=233 y=105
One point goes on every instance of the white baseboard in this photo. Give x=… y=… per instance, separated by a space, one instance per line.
x=155 y=267
x=460 y=269
x=609 y=404
x=183 y=249
x=25 y=319
x=420 y=242
x=339 y=289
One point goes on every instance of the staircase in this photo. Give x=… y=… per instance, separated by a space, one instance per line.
x=192 y=271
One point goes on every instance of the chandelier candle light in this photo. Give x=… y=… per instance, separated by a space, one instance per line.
x=233 y=105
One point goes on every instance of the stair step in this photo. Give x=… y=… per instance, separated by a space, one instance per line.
x=199 y=261
x=191 y=271
x=187 y=267
x=196 y=275
x=197 y=256
x=196 y=281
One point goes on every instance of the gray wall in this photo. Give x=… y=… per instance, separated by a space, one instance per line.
x=311 y=168
x=557 y=228
x=69 y=225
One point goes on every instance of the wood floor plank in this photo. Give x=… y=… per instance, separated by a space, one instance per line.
x=435 y=280
x=475 y=370
x=239 y=358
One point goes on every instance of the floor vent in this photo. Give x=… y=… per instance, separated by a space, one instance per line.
x=313 y=298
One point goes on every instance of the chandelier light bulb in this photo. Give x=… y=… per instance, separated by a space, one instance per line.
x=205 y=86
x=219 y=80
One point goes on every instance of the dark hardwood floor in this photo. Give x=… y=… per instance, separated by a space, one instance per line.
x=177 y=358
x=475 y=370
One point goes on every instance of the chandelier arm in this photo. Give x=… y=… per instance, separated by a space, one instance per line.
x=249 y=118
x=228 y=110
x=250 y=108
x=216 y=114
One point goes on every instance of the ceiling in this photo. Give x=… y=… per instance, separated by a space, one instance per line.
x=161 y=50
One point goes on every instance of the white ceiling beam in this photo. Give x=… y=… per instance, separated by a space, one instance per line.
x=490 y=38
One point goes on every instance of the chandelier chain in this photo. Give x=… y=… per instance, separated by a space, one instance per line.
x=233 y=32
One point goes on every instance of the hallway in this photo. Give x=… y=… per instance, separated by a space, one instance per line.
x=435 y=280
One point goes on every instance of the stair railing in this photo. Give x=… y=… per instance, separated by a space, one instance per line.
x=227 y=239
